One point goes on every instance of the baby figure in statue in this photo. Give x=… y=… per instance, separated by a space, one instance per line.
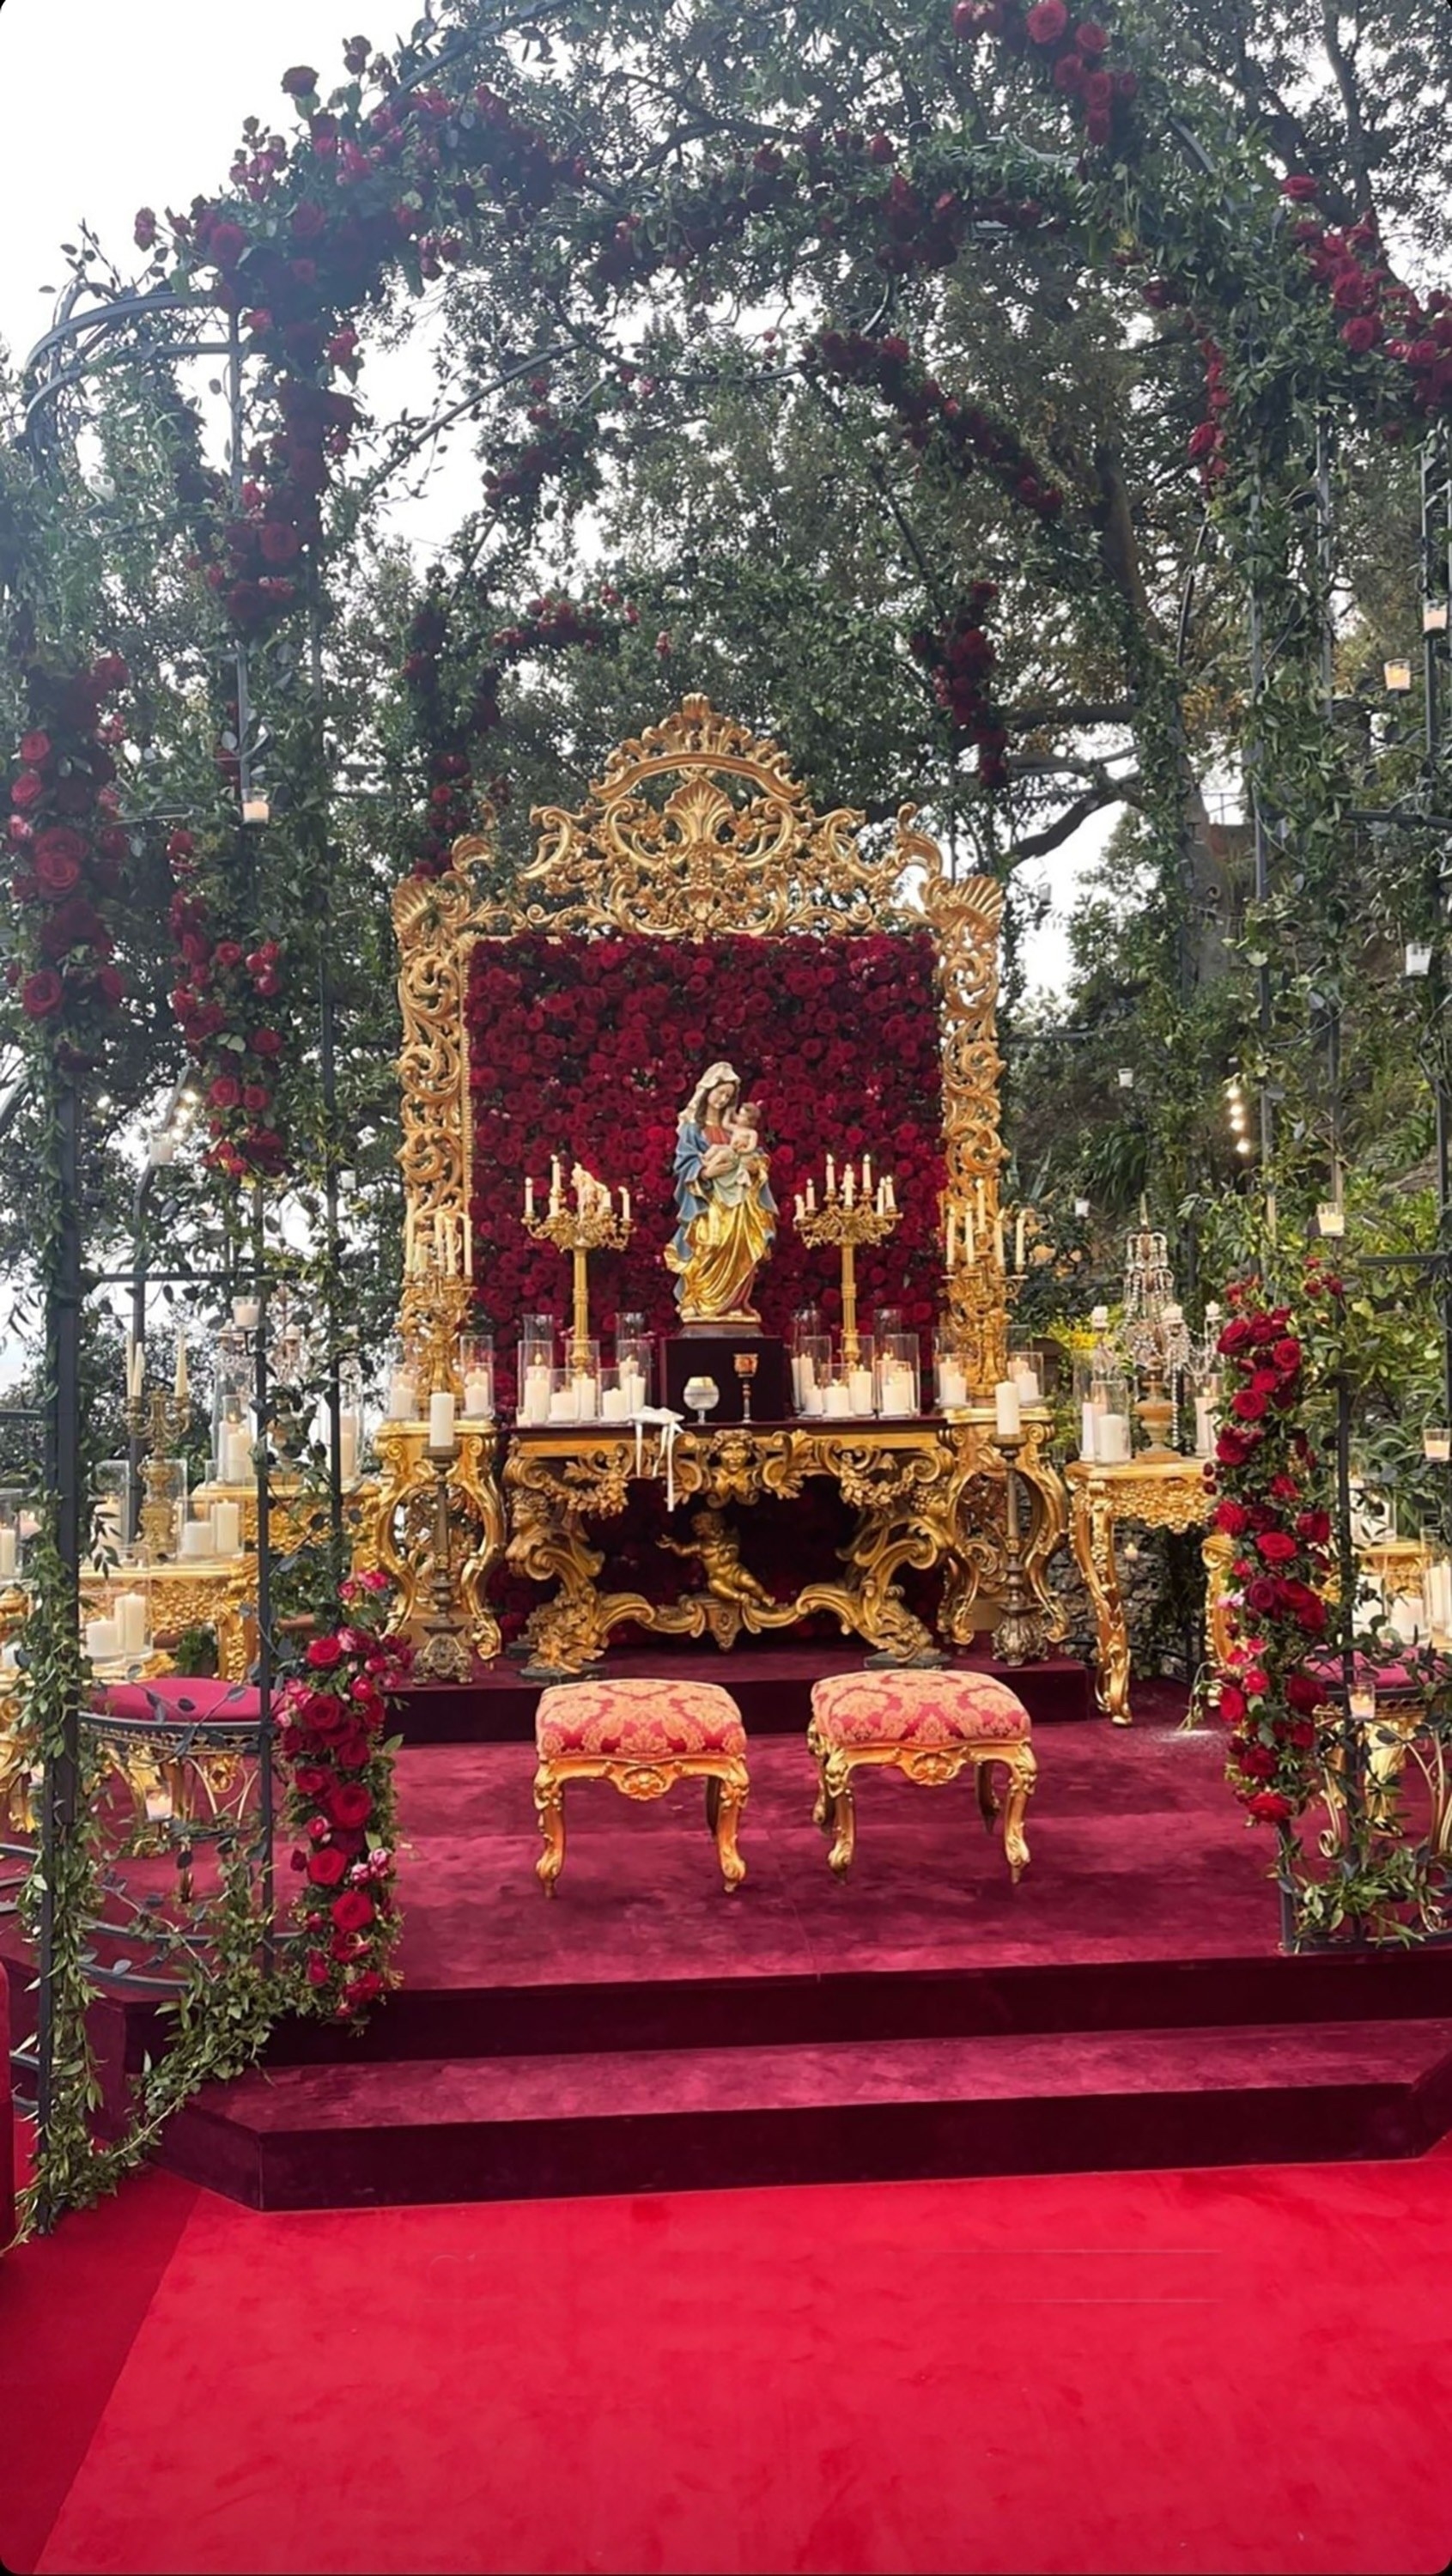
x=743 y=1136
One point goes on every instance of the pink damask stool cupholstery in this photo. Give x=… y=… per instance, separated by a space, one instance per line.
x=928 y=1725
x=642 y=1736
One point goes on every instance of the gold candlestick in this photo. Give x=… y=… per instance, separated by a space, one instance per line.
x=591 y=1225
x=159 y=1419
x=1019 y=1635
x=847 y=1225
x=444 y=1655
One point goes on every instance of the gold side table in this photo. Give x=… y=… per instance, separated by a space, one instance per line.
x=1158 y=1493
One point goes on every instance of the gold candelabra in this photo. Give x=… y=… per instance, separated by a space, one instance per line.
x=1019 y=1635
x=848 y=1217
x=444 y=1655
x=159 y=1419
x=592 y=1224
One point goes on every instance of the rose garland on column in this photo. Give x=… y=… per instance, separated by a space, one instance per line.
x=68 y=853
x=1271 y=1505
x=341 y=1804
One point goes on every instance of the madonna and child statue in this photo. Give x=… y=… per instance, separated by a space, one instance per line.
x=725 y=1212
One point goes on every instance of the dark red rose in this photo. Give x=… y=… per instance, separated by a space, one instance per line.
x=143 y=231
x=350 y=1804
x=1277 y=1547
x=1269 y=1807
x=1233 y=1518
x=57 y=869
x=1262 y=1595
x=34 y=748
x=265 y=1042
x=1286 y=1353
x=1300 y=189
x=42 y=993
x=301 y=81
x=352 y=1911
x=318 y=1970
x=279 y=541
x=1091 y=38
x=109 y=672
x=1248 y=1406
x=1303 y=1691
x=310 y=1780
x=327 y=1866
x=111 y=984
x=1315 y=1527
x=225 y=1092
x=1047 y=22
x=324 y=1652
x=1257 y=1761
x=308 y=221
x=28 y=789
x=1232 y=1703
x=1361 y=333
x=1235 y=1335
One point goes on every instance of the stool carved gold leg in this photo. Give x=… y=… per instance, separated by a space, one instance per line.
x=549 y=1807
x=837 y=1777
x=822 y=1809
x=987 y=1795
x=731 y=1794
x=1023 y=1771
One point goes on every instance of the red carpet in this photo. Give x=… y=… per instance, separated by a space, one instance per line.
x=1205 y=2371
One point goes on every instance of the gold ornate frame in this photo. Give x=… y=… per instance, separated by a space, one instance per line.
x=699 y=861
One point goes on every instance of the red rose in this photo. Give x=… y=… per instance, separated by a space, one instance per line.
x=352 y=1911
x=1256 y=1761
x=324 y=1652
x=318 y=1970
x=1262 y=1595
x=34 y=748
x=1276 y=1546
x=364 y=1989
x=350 y=1804
x=265 y=1042
x=28 y=789
x=301 y=81
x=1233 y=1518
x=1235 y=1335
x=1248 y=1406
x=1303 y=1691
x=1287 y=1354
x=42 y=993
x=225 y=244
x=327 y=1866
x=181 y=846
x=1269 y=1807
x=225 y=1092
x=109 y=672
x=310 y=1780
x=279 y=542
x=1091 y=38
x=1232 y=1703
x=1046 y=22
x=1299 y=189
x=1315 y=1527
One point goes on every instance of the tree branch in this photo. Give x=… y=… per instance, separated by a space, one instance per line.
x=1039 y=844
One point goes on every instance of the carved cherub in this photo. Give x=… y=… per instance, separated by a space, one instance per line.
x=719 y=1550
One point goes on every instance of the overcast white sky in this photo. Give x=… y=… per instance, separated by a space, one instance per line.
x=109 y=108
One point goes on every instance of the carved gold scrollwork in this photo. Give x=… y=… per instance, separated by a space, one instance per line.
x=398 y=1534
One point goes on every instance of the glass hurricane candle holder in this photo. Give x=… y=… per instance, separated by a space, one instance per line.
x=950 y=1369
x=476 y=1372
x=635 y=1361
x=811 y=1368
x=1437 y=1443
x=1023 y=1369
x=897 y=1375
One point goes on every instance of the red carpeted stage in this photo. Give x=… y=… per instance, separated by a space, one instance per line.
x=1125 y=2005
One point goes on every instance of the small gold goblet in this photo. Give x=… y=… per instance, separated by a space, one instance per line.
x=744 y=1363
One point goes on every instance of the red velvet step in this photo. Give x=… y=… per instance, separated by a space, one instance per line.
x=653 y=2120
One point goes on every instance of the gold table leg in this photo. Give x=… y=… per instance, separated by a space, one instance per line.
x=1093 y=1536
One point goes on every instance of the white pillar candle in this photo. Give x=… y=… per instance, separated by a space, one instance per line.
x=180 y=1381
x=441 y=1420
x=632 y=1387
x=1006 y=1417
x=952 y=1237
x=831 y=1178
x=129 y=1612
x=529 y=1198
x=897 y=1390
x=811 y=1396
x=587 y=1398
x=952 y=1383
x=562 y=1405
x=103 y=1640
x=196 y=1538
x=236 y=1461
x=1019 y=1232
x=9 y=1548
x=1090 y=1418
x=1112 y=1437
x=227 y=1529
x=348 y=1447
x=624 y=1204
x=478 y=1395
x=614 y=1404
x=1026 y=1380
x=835 y=1398
x=246 y=1313
x=859 y=1388
x=1204 y=1426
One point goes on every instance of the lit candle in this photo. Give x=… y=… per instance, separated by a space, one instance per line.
x=181 y=1367
x=1007 y=1419
x=135 y=1372
x=811 y=1198
x=970 y=1240
x=859 y=1388
x=952 y=1236
x=982 y=1213
x=441 y=1420
x=849 y=1179
x=891 y=1195
x=624 y=1204
x=1019 y=1232
x=103 y=1640
x=998 y=1241
x=866 y=1174
x=831 y=1178
x=227 y=1528
x=528 y=1199
x=952 y=1382
x=347 y=1448
x=801 y=1207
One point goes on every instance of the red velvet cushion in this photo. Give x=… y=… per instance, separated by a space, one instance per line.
x=916 y=1708
x=180 y=1699
x=637 y=1721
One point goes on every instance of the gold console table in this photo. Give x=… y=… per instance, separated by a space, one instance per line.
x=1154 y=1493
x=925 y=1492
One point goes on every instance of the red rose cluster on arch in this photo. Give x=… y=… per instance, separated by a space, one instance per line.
x=341 y=1804
x=225 y=999
x=1070 y=52
x=67 y=851
x=961 y=661
x=1272 y=1510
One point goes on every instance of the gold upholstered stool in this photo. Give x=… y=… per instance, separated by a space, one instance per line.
x=927 y=1725
x=643 y=1736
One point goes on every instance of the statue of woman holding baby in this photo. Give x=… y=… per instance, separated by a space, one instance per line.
x=725 y=1212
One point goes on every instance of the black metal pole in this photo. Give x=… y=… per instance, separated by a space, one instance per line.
x=262 y=1464
x=63 y=1463
x=328 y=1076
